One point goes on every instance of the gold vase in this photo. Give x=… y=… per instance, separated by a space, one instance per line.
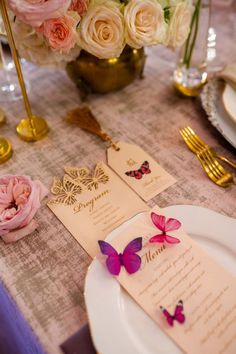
x=93 y=75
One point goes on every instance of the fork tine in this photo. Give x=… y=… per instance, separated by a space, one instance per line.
x=187 y=142
x=205 y=158
x=194 y=147
x=197 y=138
x=191 y=137
x=215 y=164
x=207 y=169
x=214 y=170
x=220 y=167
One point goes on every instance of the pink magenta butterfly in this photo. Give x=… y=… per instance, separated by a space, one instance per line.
x=164 y=225
x=129 y=259
x=178 y=315
x=138 y=174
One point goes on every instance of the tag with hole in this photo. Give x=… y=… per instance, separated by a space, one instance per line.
x=139 y=170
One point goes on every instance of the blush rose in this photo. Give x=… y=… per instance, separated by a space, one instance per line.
x=20 y=199
x=35 y=12
x=80 y=6
x=60 y=33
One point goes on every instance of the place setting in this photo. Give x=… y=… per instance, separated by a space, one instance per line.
x=117 y=204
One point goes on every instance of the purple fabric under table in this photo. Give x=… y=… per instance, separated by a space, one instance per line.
x=16 y=336
x=79 y=343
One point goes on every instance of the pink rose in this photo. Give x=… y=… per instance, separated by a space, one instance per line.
x=35 y=12
x=80 y=6
x=20 y=199
x=60 y=33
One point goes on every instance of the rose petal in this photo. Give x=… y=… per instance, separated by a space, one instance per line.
x=43 y=191
x=35 y=14
x=16 y=235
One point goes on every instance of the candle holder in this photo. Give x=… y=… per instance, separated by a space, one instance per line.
x=2 y=117
x=5 y=145
x=31 y=128
x=5 y=150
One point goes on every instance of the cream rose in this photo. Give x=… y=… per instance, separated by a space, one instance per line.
x=101 y=31
x=144 y=23
x=179 y=25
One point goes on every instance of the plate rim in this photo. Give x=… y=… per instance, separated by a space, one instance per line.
x=211 y=112
x=227 y=89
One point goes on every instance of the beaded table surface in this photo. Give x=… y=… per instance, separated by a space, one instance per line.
x=45 y=272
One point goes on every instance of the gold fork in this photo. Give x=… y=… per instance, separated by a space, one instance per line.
x=215 y=171
x=197 y=145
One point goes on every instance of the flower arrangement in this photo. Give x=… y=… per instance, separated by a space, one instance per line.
x=54 y=31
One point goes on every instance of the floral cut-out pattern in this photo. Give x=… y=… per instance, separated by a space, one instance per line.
x=65 y=191
x=76 y=181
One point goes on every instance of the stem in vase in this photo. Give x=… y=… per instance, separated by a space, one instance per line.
x=198 y=7
x=194 y=25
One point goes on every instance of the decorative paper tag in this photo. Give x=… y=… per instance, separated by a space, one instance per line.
x=91 y=205
x=141 y=172
x=170 y=273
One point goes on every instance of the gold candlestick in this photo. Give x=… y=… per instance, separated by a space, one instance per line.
x=32 y=128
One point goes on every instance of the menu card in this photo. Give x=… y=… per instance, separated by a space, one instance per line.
x=91 y=205
x=184 y=271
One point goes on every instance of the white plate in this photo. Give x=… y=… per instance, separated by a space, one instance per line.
x=118 y=325
x=211 y=98
x=229 y=101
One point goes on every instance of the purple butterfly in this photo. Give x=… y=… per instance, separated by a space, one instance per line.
x=129 y=259
x=164 y=225
x=178 y=315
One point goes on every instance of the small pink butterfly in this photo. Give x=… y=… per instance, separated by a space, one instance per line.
x=143 y=170
x=178 y=315
x=164 y=225
x=129 y=259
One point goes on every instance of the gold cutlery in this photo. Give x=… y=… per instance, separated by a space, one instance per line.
x=196 y=145
x=214 y=170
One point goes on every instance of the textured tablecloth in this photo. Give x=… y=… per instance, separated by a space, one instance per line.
x=45 y=272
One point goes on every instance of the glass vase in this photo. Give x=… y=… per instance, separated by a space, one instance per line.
x=191 y=71
x=9 y=84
